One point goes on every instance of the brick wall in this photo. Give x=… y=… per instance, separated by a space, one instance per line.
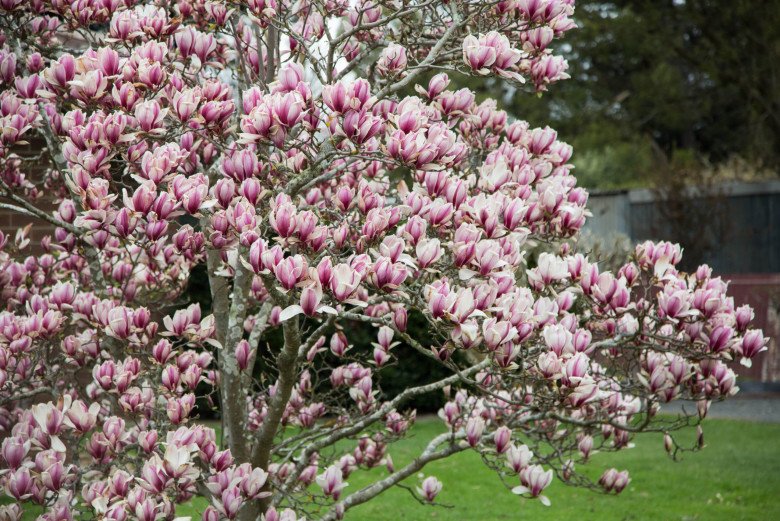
x=33 y=168
x=762 y=292
x=10 y=222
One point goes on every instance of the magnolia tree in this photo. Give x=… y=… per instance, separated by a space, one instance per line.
x=310 y=155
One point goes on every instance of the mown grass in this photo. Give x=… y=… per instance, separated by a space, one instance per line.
x=736 y=477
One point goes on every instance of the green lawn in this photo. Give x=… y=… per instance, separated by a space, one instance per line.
x=736 y=477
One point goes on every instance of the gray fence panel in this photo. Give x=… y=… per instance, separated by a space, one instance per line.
x=737 y=231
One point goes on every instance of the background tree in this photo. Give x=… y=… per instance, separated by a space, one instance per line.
x=687 y=82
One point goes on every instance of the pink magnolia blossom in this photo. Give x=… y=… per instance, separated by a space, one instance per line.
x=332 y=482
x=614 y=481
x=491 y=52
x=430 y=488
x=535 y=479
x=392 y=61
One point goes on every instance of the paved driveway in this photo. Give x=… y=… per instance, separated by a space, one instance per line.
x=758 y=407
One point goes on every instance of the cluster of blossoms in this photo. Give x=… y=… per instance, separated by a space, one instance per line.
x=266 y=142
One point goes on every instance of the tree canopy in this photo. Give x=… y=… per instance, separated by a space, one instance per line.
x=677 y=80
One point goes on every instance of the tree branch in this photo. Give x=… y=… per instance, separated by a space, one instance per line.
x=373 y=490
x=377 y=415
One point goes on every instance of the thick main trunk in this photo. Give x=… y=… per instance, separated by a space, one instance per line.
x=286 y=363
x=229 y=308
x=261 y=453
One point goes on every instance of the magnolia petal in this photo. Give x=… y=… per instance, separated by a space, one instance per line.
x=57 y=445
x=289 y=312
x=246 y=264
x=661 y=266
x=100 y=504
x=214 y=342
x=466 y=274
